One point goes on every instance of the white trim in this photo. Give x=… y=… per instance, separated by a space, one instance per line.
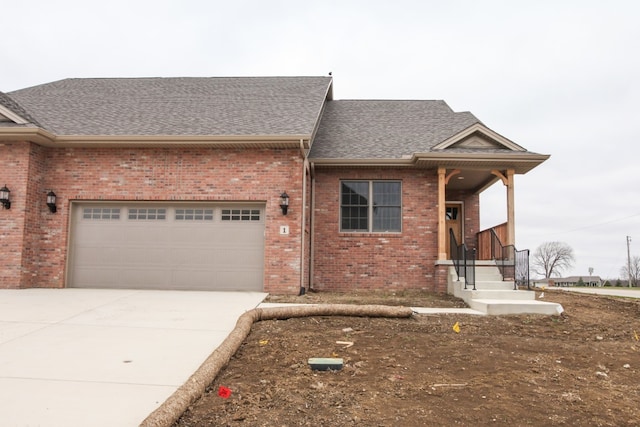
x=501 y=140
x=12 y=116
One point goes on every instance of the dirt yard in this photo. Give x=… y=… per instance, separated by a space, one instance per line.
x=579 y=369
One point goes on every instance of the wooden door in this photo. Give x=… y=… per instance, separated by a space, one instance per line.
x=453 y=215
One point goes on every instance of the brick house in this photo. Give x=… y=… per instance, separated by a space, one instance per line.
x=250 y=183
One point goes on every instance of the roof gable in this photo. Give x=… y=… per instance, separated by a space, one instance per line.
x=478 y=136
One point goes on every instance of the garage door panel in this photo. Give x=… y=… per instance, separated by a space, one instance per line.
x=97 y=256
x=194 y=236
x=104 y=233
x=191 y=257
x=96 y=277
x=195 y=279
x=143 y=256
x=239 y=257
x=144 y=278
x=126 y=246
x=146 y=234
x=226 y=278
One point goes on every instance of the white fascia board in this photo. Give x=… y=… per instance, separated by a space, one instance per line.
x=484 y=130
x=12 y=116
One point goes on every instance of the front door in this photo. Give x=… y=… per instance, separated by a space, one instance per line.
x=453 y=213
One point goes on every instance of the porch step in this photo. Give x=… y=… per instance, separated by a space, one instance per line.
x=504 y=306
x=497 y=297
x=497 y=294
x=488 y=274
x=495 y=285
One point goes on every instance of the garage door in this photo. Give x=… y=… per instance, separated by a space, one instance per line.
x=173 y=246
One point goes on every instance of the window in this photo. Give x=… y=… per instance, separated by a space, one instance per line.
x=451 y=213
x=371 y=206
x=101 y=213
x=194 y=214
x=150 y=213
x=241 y=214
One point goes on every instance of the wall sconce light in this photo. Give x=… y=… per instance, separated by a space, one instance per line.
x=51 y=201
x=4 y=197
x=284 y=202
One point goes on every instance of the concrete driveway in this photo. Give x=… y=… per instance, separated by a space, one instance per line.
x=81 y=357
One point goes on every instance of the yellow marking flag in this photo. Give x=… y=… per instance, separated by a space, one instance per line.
x=456 y=328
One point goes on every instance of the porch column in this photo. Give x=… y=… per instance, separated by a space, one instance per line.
x=507 y=180
x=442 y=201
x=511 y=210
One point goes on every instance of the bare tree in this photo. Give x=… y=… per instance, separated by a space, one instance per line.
x=551 y=258
x=634 y=277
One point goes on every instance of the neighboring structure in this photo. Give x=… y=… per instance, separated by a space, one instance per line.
x=592 y=281
x=254 y=183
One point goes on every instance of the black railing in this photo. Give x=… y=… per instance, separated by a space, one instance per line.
x=512 y=263
x=522 y=268
x=464 y=261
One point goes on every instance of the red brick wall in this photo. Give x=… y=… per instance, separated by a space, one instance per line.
x=34 y=241
x=390 y=261
x=199 y=174
x=14 y=173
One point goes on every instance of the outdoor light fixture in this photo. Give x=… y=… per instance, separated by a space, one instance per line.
x=4 y=197
x=284 y=202
x=51 y=201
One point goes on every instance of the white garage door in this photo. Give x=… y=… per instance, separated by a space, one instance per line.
x=167 y=246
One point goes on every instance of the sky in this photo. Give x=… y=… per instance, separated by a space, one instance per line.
x=559 y=77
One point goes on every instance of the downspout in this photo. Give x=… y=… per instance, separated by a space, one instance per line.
x=305 y=167
x=312 y=225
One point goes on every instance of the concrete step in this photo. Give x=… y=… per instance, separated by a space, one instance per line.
x=488 y=274
x=502 y=307
x=496 y=285
x=499 y=294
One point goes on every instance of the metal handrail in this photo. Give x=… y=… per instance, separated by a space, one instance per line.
x=464 y=260
x=512 y=263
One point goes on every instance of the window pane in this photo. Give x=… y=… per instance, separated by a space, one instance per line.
x=386 y=194
x=354 y=206
x=387 y=209
x=354 y=218
x=386 y=219
x=355 y=193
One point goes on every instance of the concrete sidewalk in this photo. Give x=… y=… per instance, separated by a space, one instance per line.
x=615 y=292
x=80 y=357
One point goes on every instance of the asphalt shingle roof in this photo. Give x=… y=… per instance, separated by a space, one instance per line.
x=245 y=106
x=9 y=103
x=359 y=129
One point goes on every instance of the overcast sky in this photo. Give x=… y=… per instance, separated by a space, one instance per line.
x=557 y=77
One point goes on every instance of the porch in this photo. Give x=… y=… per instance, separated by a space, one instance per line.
x=494 y=278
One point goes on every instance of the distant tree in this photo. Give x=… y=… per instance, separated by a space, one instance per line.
x=635 y=271
x=618 y=283
x=551 y=258
x=580 y=282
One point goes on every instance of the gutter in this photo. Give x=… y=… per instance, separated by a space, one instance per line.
x=49 y=139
